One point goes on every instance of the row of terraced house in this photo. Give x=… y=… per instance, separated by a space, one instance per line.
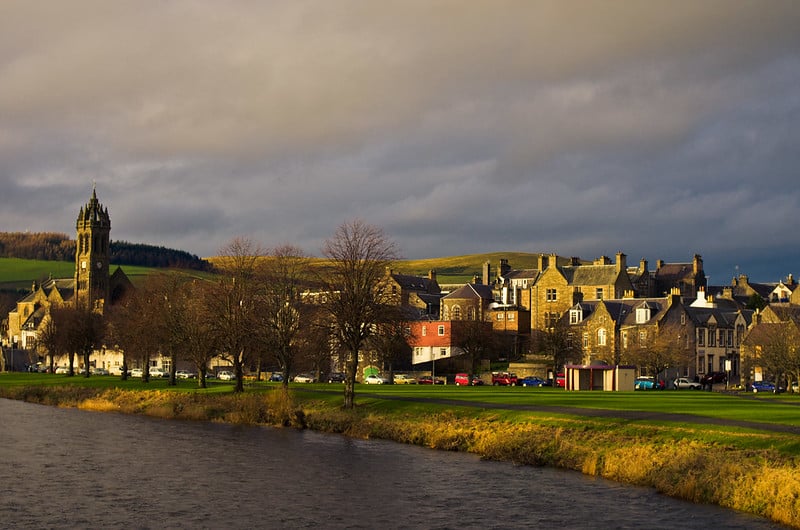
x=607 y=312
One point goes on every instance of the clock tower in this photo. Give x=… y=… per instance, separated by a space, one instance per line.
x=92 y=255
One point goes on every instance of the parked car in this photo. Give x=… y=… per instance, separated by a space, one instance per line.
x=462 y=379
x=504 y=379
x=530 y=380
x=337 y=377
x=561 y=381
x=713 y=377
x=429 y=380
x=304 y=378
x=684 y=382
x=225 y=375
x=644 y=383
x=374 y=379
x=476 y=380
x=276 y=377
x=764 y=386
x=795 y=388
x=185 y=374
x=99 y=371
x=158 y=372
x=136 y=372
x=62 y=369
x=403 y=379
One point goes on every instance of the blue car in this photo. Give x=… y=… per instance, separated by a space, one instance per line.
x=763 y=386
x=530 y=381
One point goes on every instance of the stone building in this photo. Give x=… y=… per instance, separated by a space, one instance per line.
x=91 y=285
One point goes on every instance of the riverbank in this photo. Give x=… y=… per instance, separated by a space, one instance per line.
x=739 y=468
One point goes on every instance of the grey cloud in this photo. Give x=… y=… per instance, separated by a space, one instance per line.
x=577 y=127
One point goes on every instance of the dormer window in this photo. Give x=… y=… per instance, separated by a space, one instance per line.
x=575 y=316
x=642 y=315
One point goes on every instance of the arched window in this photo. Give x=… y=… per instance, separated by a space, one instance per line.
x=601 y=337
x=470 y=313
x=456 y=313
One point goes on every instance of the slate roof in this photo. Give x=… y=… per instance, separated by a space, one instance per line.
x=472 y=291
x=674 y=271
x=414 y=283
x=521 y=274
x=590 y=274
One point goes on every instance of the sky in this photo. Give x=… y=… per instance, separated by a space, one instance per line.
x=577 y=127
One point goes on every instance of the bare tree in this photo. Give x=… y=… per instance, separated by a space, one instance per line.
x=202 y=341
x=656 y=349
x=560 y=344
x=777 y=350
x=475 y=338
x=52 y=335
x=359 y=255
x=84 y=334
x=233 y=301
x=282 y=311
x=131 y=326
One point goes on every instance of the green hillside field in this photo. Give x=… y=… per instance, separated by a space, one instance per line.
x=18 y=274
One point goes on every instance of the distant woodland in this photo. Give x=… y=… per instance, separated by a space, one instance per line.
x=59 y=247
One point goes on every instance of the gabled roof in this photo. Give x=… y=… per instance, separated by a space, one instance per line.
x=674 y=271
x=413 y=283
x=522 y=274
x=472 y=291
x=719 y=316
x=590 y=274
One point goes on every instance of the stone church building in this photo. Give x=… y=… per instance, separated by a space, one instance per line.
x=91 y=286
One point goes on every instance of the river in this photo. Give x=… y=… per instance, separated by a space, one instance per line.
x=66 y=468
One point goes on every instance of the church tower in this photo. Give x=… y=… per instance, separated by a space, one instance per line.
x=92 y=255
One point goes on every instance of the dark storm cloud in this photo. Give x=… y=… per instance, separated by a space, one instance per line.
x=582 y=128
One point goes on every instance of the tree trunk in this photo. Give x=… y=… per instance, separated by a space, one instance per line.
x=86 y=355
x=350 y=381
x=237 y=369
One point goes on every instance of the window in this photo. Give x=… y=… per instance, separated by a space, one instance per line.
x=712 y=337
x=442 y=352
x=701 y=336
x=552 y=295
x=683 y=319
x=456 y=313
x=510 y=317
x=624 y=340
x=575 y=316
x=470 y=313
x=730 y=337
x=441 y=331
x=424 y=331
x=642 y=315
x=598 y=293
x=499 y=316
x=550 y=319
x=585 y=340
x=642 y=338
x=601 y=337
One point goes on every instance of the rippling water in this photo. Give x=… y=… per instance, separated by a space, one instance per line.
x=64 y=468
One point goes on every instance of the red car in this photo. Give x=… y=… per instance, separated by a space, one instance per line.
x=504 y=379
x=428 y=380
x=462 y=379
x=561 y=381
